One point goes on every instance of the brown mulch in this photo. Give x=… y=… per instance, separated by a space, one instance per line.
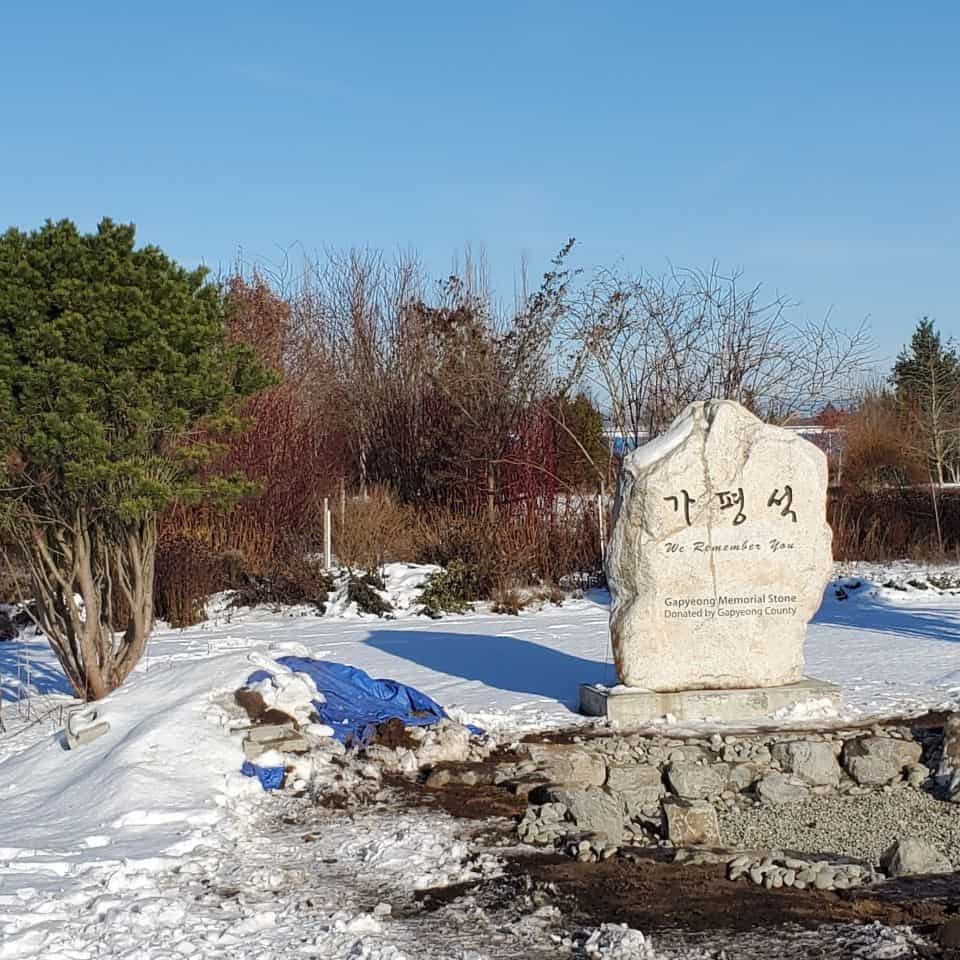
x=259 y=712
x=478 y=802
x=392 y=733
x=649 y=895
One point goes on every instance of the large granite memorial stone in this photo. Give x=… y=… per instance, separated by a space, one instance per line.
x=719 y=556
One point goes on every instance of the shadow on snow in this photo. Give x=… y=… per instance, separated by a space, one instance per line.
x=504 y=663
x=26 y=668
x=909 y=620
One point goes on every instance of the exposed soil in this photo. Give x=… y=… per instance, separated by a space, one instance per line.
x=648 y=894
x=392 y=733
x=652 y=896
x=259 y=712
x=477 y=802
x=251 y=701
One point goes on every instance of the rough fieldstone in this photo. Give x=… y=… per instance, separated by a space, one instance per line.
x=948 y=774
x=253 y=749
x=592 y=809
x=693 y=781
x=567 y=764
x=916 y=774
x=85 y=734
x=777 y=788
x=687 y=822
x=824 y=880
x=871 y=771
x=445 y=742
x=811 y=760
x=270 y=731
x=907 y=857
x=897 y=753
x=639 y=785
x=689 y=753
x=743 y=776
x=438 y=778
x=719 y=554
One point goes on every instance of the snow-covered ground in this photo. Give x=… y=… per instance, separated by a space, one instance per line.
x=148 y=843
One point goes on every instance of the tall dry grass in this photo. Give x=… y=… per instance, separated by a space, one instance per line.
x=895 y=524
x=502 y=549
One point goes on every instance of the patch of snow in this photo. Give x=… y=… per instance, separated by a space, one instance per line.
x=662 y=446
x=149 y=843
x=816 y=709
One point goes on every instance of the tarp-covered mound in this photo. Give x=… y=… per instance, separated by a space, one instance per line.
x=353 y=703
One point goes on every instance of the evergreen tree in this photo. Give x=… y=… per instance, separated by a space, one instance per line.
x=115 y=375
x=926 y=357
x=583 y=451
x=927 y=381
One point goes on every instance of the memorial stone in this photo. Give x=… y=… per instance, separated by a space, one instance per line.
x=719 y=556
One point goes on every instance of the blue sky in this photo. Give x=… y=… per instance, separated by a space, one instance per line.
x=816 y=146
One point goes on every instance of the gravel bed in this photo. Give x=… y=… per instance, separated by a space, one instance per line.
x=859 y=827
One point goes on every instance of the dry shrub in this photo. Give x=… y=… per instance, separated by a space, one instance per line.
x=569 y=545
x=894 y=524
x=876 y=446
x=293 y=450
x=187 y=572
x=294 y=447
x=521 y=550
x=295 y=580
x=234 y=532
x=447 y=538
x=511 y=600
x=375 y=530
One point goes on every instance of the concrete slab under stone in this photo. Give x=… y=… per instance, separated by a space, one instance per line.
x=626 y=705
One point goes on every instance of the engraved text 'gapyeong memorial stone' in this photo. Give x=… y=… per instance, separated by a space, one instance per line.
x=719 y=555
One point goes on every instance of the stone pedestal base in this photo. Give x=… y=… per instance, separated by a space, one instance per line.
x=625 y=705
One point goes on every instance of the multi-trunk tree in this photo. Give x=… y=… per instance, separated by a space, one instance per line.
x=115 y=375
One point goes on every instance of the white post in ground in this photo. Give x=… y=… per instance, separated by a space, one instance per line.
x=602 y=522
x=327 y=535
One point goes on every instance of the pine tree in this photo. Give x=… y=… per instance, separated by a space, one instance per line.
x=115 y=373
x=583 y=451
x=925 y=357
x=927 y=381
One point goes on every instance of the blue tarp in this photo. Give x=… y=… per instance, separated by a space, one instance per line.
x=355 y=702
x=270 y=777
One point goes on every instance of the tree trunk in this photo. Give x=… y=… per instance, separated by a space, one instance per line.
x=936 y=514
x=93 y=590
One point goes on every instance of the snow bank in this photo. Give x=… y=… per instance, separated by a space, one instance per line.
x=161 y=764
x=130 y=846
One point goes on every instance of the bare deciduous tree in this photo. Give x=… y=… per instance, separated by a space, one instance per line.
x=653 y=345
